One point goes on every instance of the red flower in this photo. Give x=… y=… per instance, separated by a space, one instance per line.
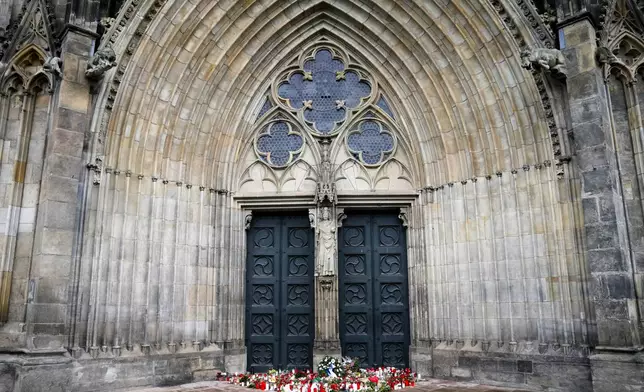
x=373 y=379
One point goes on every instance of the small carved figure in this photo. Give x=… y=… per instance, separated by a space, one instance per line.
x=52 y=66
x=326 y=246
x=605 y=56
x=100 y=63
x=107 y=23
x=551 y=60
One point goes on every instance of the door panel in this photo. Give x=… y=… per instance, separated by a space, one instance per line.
x=374 y=316
x=279 y=301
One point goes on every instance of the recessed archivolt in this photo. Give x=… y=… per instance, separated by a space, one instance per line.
x=192 y=88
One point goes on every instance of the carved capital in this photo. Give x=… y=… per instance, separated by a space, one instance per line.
x=403 y=216
x=248 y=218
x=340 y=215
x=313 y=217
x=326 y=283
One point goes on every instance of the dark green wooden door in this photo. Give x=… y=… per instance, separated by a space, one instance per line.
x=374 y=310
x=279 y=293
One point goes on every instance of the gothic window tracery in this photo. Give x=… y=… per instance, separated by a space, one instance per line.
x=325 y=119
x=371 y=142
x=323 y=90
x=279 y=144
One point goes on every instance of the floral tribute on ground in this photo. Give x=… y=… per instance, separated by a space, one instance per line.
x=333 y=375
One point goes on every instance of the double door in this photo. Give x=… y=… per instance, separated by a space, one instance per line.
x=279 y=293
x=372 y=292
x=374 y=310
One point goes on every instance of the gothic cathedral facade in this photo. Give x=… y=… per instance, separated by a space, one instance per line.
x=195 y=186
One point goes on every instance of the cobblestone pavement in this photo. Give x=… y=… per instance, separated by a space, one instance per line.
x=424 y=386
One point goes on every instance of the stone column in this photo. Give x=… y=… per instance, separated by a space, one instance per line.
x=605 y=223
x=326 y=221
x=57 y=213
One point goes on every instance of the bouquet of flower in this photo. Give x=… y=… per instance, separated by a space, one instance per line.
x=341 y=375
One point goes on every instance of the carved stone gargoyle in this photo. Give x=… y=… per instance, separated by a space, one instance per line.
x=102 y=61
x=605 y=56
x=549 y=60
x=52 y=66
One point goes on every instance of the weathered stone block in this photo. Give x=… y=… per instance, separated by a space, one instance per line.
x=596 y=181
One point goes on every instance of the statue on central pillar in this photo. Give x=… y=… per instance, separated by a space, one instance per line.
x=323 y=219
x=327 y=243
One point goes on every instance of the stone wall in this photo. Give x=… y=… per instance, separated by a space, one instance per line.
x=495 y=259
x=122 y=241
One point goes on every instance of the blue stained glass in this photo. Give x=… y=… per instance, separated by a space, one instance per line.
x=369 y=143
x=382 y=104
x=265 y=108
x=277 y=145
x=325 y=90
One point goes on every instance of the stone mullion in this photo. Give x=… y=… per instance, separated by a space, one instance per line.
x=421 y=272
x=452 y=279
x=161 y=287
x=431 y=253
x=134 y=303
x=444 y=286
x=236 y=266
x=87 y=236
x=535 y=205
x=228 y=289
x=554 y=254
x=479 y=259
x=201 y=256
x=153 y=189
x=97 y=265
x=172 y=345
x=472 y=335
x=494 y=203
x=15 y=204
x=519 y=187
x=412 y=294
x=218 y=291
x=120 y=260
x=503 y=208
x=212 y=266
x=108 y=327
x=486 y=241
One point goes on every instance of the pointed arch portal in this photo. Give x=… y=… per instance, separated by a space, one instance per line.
x=218 y=111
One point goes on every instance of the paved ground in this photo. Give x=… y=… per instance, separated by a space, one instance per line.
x=425 y=386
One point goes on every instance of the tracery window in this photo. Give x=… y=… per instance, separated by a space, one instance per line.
x=325 y=95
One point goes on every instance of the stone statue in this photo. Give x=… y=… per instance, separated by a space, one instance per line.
x=605 y=56
x=326 y=186
x=551 y=60
x=52 y=66
x=101 y=62
x=326 y=244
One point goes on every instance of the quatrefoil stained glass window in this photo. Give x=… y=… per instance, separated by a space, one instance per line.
x=371 y=143
x=279 y=144
x=324 y=89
